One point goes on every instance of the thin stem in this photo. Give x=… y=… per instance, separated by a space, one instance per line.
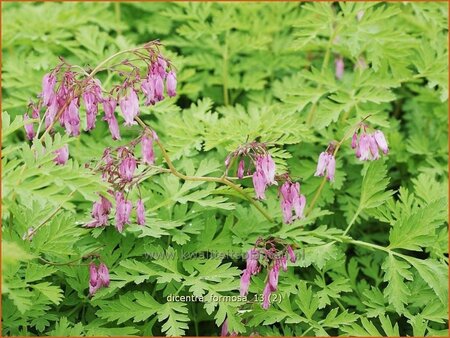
x=225 y=71
x=324 y=66
x=352 y=221
x=49 y=217
x=118 y=16
x=222 y=180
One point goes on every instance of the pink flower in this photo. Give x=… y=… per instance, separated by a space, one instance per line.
x=373 y=148
x=266 y=297
x=245 y=282
x=90 y=101
x=98 y=277
x=291 y=199
x=273 y=277
x=148 y=87
x=94 y=281
x=291 y=254
x=103 y=274
x=171 y=83
x=100 y=212
x=62 y=155
x=241 y=169
x=283 y=262
x=48 y=85
x=71 y=118
x=339 y=64
x=161 y=67
x=130 y=107
x=259 y=183
x=327 y=163
x=252 y=261
x=123 y=211
x=159 y=88
x=148 y=155
x=140 y=212
x=109 y=106
x=127 y=168
x=224 y=330
x=364 y=148
x=51 y=112
x=354 y=140
x=28 y=127
x=267 y=165
x=331 y=167
x=381 y=141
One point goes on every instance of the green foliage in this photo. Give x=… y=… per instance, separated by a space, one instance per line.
x=372 y=253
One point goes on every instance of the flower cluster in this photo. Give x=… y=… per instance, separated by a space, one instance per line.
x=254 y=157
x=273 y=254
x=119 y=168
x=292 y=201
x=366 y=145
x=327 y=162
x=98 y=277
x=66 y=90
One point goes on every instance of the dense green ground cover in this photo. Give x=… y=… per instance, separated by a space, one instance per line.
x=264 y=72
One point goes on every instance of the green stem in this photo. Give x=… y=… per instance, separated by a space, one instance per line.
x=118 y=16
x=324 y=66
x=225 y=71
x=352 y=221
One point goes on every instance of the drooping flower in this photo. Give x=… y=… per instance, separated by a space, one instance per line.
x=252 y=261
x=148 y=155
x=241 y=169
x=148 y=87
x=62 y=155
x=381 y=141
x=354 y=140
x=127 y=168
x=271 y=285
x=71 y=118
x=98 y=277
x=273 y=277
x=373 y=148
x=159 y=88
x=259 y=183
x=109 y=106
x=171 y=83
x=123 y=211
x=245 y=282
x=331 y=167
x=266 y=297
x=91 y=99
x=140 y=212
x=292 y=200
x=291 y=254
x=129 y=105
x=224 y=331
x=103 y=274
x=100 y=213
x=48 y=86
x=94 y=281
x=267 y=165
x=339 y=65
x=363 y=149
x=29 y=130
x=326 y=163
x=51 y=112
